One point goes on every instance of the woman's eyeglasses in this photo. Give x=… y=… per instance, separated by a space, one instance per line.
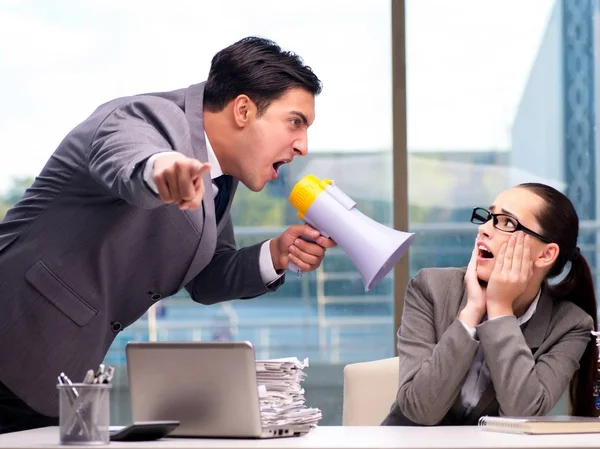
x=503 y=222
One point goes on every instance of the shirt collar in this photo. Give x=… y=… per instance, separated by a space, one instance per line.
x=530 y=311
x=215 y=170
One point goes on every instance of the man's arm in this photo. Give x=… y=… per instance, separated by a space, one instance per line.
x=232 y=273
x=128 y=137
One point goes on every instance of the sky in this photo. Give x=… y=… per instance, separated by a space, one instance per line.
x=467 y=64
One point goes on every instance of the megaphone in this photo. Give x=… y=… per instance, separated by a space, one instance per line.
x=373 y=247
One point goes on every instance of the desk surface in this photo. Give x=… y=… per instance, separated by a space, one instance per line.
x=339 y=438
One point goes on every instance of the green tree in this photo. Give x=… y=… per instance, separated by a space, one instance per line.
x=257 y=209
x=3 y=209
x=250 y=209
x=18 y=187
x=14 y=192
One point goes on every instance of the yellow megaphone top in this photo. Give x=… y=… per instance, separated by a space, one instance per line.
x=306 y=191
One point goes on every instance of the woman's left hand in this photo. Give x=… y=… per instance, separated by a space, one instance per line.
x=512 y=272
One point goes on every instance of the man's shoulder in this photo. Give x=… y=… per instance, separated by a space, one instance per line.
x=150 y=108
x=173 y=97
x=150 y=101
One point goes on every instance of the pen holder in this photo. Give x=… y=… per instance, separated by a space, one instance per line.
x=84 y=413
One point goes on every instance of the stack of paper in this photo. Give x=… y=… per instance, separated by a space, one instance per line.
x=281 y=396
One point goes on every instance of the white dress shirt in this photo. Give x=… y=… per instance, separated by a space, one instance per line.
x=267 y=270
x=478 y=377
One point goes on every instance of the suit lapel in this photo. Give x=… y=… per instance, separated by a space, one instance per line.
x=456 y=413
x=536 y=328
x=193 y=112
x=453 y=313
x=534 y=332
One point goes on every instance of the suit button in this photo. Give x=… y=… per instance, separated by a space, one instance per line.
x=116 y=326
x=155 y=296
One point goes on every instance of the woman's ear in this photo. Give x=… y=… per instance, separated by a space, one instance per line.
x=244 y=110
x=547 y=255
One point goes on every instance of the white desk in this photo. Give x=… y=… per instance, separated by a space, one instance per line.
x=339 y=438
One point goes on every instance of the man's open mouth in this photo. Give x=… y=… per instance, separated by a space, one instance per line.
x=278 y=164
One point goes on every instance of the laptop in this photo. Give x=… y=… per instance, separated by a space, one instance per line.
x=209 y=387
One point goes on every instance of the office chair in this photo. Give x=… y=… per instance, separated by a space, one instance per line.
x=370 y=389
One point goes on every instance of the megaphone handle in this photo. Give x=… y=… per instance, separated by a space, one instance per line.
x=292 y=266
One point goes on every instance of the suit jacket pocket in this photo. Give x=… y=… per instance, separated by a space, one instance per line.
x=59 y=294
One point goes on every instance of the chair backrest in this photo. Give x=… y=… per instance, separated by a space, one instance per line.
x=370 y=389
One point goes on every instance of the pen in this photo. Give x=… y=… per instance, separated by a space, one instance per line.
x=68 y=382
x=75 y=404
x=110 y=372
x=89 y=377
x=99 y=374
x=104 y=376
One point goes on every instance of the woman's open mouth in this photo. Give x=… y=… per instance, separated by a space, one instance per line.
x=484 y=252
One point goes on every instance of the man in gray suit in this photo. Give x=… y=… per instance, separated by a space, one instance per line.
x=134 y=205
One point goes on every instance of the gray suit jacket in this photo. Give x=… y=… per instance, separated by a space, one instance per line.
x=530 y=368
x=89 y=248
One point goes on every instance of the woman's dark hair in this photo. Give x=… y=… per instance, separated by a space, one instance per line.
x=560 y=224
x=258 y=68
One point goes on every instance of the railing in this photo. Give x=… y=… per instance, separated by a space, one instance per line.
x=321 y=342
x=317 y=320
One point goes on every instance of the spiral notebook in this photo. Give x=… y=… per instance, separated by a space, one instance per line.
x=540 y=425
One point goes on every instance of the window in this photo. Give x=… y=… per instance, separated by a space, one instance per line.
x=58 y=65
x=498 y=93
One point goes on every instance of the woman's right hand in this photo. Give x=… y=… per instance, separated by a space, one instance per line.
x=476 y=306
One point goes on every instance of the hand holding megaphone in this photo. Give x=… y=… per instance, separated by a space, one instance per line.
x=373 y=247
x=300 y=246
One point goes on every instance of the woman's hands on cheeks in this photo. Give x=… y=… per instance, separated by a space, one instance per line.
x=511 y=274
x=475 y=309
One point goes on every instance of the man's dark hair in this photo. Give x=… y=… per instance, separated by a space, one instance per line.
x=258 y=68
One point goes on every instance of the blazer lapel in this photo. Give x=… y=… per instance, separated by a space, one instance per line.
x=456 y=414
x=534 y=332
x=536 y=328
x=193 y=112
x=453 y=313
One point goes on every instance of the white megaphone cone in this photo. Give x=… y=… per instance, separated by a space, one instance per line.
x=373 y=247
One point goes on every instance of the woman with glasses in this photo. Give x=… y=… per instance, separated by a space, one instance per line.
x=496 y=337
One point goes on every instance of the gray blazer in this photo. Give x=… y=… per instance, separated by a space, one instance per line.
x=89 y=248
x=530 y=368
